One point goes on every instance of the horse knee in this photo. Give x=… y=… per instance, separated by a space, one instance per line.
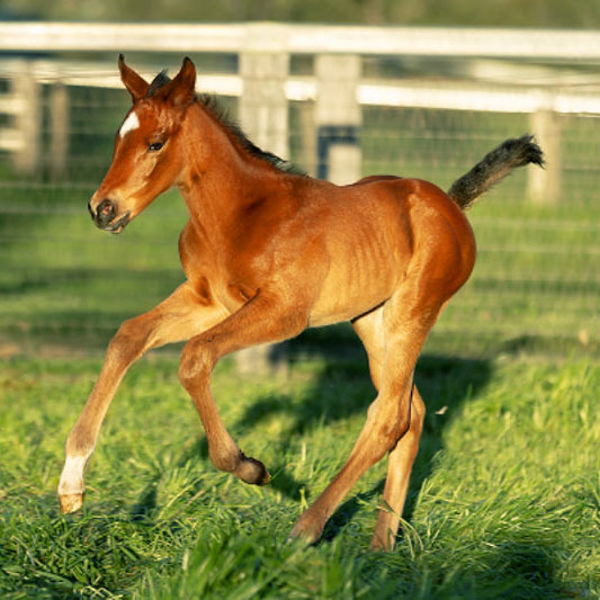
x=386 y=427
x=197 y=362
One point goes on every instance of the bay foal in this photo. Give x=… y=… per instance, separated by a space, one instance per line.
x=268 y=253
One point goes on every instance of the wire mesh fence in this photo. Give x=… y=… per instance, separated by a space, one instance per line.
x=66 y=287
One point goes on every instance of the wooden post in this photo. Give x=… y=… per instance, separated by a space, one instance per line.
x=544 y=185
x=28 y=121
x=263 y=114
x=59 y=129
x=338 y=118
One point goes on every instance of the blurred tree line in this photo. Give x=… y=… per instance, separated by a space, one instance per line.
x=507 y=13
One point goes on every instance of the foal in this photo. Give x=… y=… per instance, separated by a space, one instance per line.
x=268 y=253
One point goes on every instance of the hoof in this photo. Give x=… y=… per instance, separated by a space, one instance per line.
x=70 y=503
x=253 y=471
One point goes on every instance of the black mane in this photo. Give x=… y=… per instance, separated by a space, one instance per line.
x=212 y=105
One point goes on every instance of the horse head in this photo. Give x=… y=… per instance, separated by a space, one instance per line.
x=147 y=159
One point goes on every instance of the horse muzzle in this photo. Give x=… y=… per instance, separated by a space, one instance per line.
x=106 y=216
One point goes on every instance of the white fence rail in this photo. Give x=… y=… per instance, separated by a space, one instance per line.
x=570 y=45
x=415 y=93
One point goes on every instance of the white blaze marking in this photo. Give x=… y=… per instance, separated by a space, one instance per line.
x=130 y=124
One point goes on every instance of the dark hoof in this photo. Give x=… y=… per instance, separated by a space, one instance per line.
x=252 y=471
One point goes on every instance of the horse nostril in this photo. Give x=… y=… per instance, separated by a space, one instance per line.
x=105 y=212
x=105 y=208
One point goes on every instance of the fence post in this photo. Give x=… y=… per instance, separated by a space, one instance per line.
x=263 y=114
x=544 y=185
x=59 y=129
x=263 y=110
x=28 y=121
x=338 y=117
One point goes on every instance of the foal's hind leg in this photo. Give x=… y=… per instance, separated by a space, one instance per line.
x=400 y=460
x=407 y=318
x=178 y=317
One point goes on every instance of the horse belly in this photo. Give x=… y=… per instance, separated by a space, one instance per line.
x=368 y=256
x=348 y=293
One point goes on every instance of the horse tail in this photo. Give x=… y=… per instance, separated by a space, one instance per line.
x=496 y=165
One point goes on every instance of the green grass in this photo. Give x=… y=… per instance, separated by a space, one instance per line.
x=504 y=500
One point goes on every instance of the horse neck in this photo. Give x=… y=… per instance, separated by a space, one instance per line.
x=220 y=177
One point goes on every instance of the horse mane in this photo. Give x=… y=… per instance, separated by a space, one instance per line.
x=221 y=115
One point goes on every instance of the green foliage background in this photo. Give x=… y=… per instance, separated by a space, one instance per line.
x=511 y=13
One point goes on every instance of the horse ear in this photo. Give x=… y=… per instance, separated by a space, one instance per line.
x=182 y=90
x=137 y=86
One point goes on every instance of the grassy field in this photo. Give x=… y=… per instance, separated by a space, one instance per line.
x=504 y=501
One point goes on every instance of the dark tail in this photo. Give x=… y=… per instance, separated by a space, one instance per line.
x=494 y=167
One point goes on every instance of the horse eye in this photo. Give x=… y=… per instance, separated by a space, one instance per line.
x=155 y=147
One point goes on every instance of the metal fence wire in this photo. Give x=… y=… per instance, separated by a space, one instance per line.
x=65 y=287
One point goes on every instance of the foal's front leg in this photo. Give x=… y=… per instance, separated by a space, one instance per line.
x=177 y=318
x=261 y=320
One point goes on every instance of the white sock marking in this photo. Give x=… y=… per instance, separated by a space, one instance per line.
x=71 y=479
x=130 y=124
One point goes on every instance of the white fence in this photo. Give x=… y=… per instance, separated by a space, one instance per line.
x=569 y=45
